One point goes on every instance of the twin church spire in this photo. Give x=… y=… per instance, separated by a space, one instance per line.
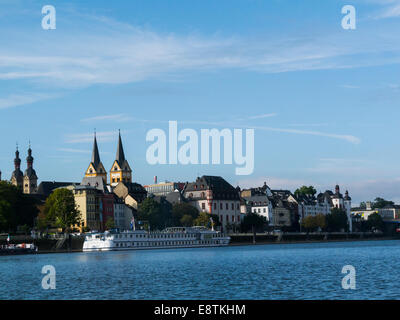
x=120 y=170
x=28 y=180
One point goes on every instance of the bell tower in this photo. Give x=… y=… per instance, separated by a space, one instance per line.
x=30 y=177
x=120 y=170
x=96 y=168
x=17 y=176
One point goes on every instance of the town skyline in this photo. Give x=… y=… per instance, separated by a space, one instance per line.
x=303 y=83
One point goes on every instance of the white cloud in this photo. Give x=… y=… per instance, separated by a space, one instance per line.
x=391 y=11
x=120 y=53
x=112 y=117
x=274 y=183
x=73 y=150
x=348 y=86
x=104 y=136
x=262 y=116
x=342 y=166
x=345 y=137
x=15 y=100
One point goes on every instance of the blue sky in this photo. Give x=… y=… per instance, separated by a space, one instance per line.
x=323 y=100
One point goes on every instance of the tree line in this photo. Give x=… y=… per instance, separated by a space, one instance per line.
x=17 y=210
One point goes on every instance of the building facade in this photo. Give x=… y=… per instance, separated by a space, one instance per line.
x=212 y=194
x=88 y=200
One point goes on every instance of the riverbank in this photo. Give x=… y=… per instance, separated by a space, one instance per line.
x=247 y=239
x=75 y=244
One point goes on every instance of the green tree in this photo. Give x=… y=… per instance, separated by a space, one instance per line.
x=16 y=208
x=253 y=221
x=337 y=220
x=375 y=221
x=60 y=209
x=179 y=210
x=381 y=203
x=320 y=221
x=309 y=223
x=150 y=210
x=187 y=220
x=204 y=219
x=305 y=191
x=110 y=223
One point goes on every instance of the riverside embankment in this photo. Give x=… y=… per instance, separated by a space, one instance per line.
x=75 y=243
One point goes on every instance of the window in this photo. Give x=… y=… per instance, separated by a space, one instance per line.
x=220 y=205
x=233 y=206
x=227 y=206
x=203 y=206
x=215 y=206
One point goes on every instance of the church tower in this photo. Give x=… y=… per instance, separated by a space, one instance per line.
x=17 y=176
x=30 y=177
x=96 y=168
x=120 y=170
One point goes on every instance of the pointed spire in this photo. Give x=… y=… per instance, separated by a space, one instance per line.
x=95 y=153
x=29 y=158
x=17 y=160
x=120 y=157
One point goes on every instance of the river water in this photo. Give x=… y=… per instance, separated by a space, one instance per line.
x=279 y=271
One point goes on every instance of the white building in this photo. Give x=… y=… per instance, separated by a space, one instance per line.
x=324 y=203
x=214 y=195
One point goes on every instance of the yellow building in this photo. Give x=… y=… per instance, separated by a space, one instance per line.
x=96 y=168
x=120 y=170
x=88 y=201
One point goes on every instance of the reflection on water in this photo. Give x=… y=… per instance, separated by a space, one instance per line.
x=283 y=271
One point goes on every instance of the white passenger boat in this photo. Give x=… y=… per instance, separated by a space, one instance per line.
x=177 y=237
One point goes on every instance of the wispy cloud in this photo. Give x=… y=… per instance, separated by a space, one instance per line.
x=121 y=53
x=73 y=150
x=345 y=137
x=112 y=117
x=349 y=86
x=342 y=166
x=274 y=183
x=262 y=116
x=15 y=100
x=104 y=136
x=324 y=124
x=391 y=10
